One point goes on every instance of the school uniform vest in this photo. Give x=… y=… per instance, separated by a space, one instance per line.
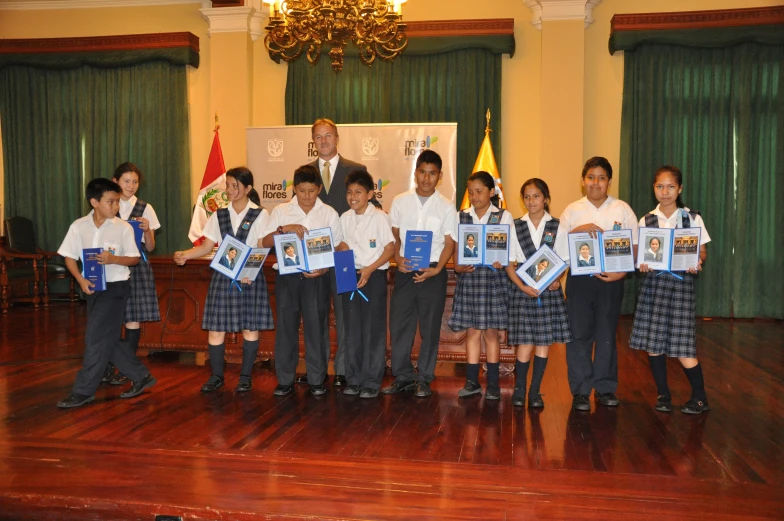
x=526 y=241
x=652 y=221
x=495 y=217
x=224 y=222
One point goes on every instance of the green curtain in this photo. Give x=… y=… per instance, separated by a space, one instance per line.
x=62 y=128
x=716 y=114
x=452 y=86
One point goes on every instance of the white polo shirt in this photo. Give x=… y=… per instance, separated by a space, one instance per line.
x=114 y=235
x=561 y=246
x=436 y=215
x=320 y=216
x=212 y=227
x=675 y=221
x=126 y=207
x=367 y=235
x=612 y=211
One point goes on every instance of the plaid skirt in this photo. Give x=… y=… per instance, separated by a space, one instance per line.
x=480 y=300
x=142 y=303
x=230 y=310
x=664 y=319
x=532 y=324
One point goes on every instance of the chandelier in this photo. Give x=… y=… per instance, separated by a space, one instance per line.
x=375 y=26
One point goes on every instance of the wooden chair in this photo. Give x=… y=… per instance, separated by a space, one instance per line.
x=22 y=263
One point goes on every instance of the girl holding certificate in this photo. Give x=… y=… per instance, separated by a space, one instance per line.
x=664 y=320
x=479 y=305
x=535 y=320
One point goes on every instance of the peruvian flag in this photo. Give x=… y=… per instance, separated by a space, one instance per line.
x=212 y=194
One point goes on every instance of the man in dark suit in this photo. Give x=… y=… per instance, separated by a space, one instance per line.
x=333 y=169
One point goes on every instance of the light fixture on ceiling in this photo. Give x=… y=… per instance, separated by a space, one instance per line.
x=295 y=26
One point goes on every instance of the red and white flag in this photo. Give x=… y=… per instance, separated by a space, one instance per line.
x=212 y=194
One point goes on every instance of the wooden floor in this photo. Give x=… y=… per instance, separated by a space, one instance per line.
x=229 y=456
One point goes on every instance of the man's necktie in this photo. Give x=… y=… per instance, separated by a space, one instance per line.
x=325 y=176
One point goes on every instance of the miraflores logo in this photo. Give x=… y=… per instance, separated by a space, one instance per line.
x=276 y=190
x=413 y=147
x=370 y=148
x=312 y=150
x=380 y=185
x=275 y=150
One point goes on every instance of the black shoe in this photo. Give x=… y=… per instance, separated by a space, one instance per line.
x=535 y=401
x=693 y=406
x=339 y=381
x=396 y=387
x=471 y=388
x=422 y=390
x=119 y=379
x=283 y=390
x=317 y=390
x=493 y=393
x=663 y=403
x=214 y=383
x=75 y=400
x=367 y=392
x=608 y=399
x=518 y=397
x=108 y=374
x=352 y=390
x=244 y=385
x=301 y=379
x=580 y=402
x=138 y=387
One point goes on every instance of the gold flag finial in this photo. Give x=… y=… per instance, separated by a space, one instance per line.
x=485 y=161
x=487 y=117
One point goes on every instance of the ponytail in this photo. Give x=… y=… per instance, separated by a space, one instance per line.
x=253 y=195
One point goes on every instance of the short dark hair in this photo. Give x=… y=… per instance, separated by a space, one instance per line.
x=600 y=162
x=361 y=178
x=99 y=186
x=287 y=245
x=126 y=167
x=429 y=156
x=307 y=174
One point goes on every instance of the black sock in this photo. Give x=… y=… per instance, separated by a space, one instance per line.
x=472 y=372
x=250 y=348
x=216 y=358
x=659 y=371
x=492 y=374
x=132 y=337
x=697 y=383
x=540 y=364
x=521 y=373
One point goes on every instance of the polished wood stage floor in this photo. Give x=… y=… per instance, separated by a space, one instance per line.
x=228 y=456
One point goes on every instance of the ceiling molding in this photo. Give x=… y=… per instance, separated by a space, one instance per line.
x=489 y=27
x=39 y=5
x=123 y=42
x=697 y=19
x=560 y=10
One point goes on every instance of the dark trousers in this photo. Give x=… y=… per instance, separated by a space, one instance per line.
x=366 y=332
x=594 y=307
x=416 y=303
x=299 y=297
x=340 y=326
x=102 y=343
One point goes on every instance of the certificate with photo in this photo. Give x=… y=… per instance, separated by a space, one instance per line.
x=584 y=254
x=685 y=248
x=254 y=263
x=315 y=251
x=654 y=248
x=542 y=268
x=482 y=244
x=617 y=251
x=230 y=257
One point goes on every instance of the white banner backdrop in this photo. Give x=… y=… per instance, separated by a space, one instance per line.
x=388 y=150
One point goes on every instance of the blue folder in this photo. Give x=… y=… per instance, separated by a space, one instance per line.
x=93 y=271
x=418 y=246
x=345 y=273
x=138 y=234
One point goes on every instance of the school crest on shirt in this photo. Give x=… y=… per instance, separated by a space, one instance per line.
x=494 y=219
x=549 y=238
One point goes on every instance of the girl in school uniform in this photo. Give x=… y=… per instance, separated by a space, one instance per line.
x=664 y=320
x=536 y=320
x=479 y=304
x=227 y=309
x=142 y=303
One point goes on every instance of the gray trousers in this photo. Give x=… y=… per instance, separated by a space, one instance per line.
x=366 y=332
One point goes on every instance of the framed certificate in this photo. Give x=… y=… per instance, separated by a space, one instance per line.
x=685 y=248
x=584 y=254
x=314 y=251
x=655 y=248
x=482 y=244
x=542 y=268
x=617 y=252
x=608 y=252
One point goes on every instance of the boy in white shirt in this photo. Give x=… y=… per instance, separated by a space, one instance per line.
x=101 y=228
x=367 y=232
x=419 y=296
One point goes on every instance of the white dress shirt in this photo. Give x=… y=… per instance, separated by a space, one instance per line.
x=126 y=207
x=561 y=246
x=436 y=215
x=612 y=211
x=114 y=235
x=674 y=221
x=212 y=228
x=367 y=235
x=320 y=216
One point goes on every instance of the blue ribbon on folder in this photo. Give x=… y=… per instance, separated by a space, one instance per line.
x=360 y=292
x=235 y=283
x=671 y=273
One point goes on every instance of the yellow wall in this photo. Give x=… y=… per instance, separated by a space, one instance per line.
x=529 y=102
